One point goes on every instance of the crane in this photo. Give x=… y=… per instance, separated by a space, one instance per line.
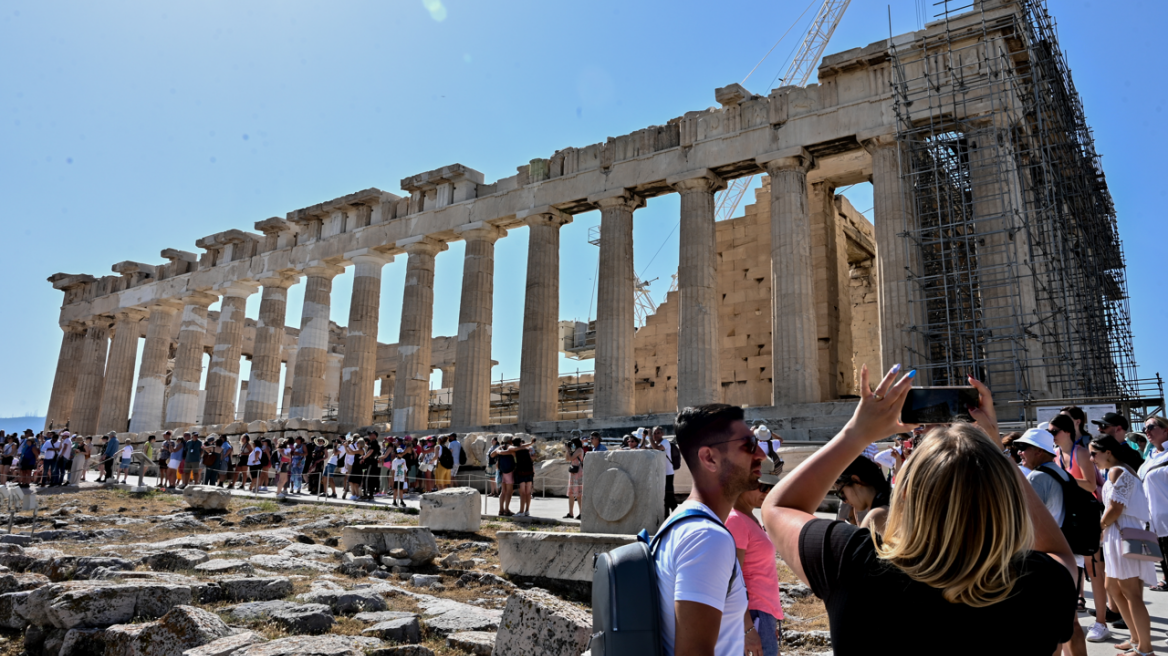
x=797 y=74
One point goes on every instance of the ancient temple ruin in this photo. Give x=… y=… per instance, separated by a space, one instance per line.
x=993 y=250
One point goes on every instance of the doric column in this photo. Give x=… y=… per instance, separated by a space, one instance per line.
x=182 y=405
x=411 y=395
x=91 y=381
x=896 y=293
x=332 y=380
x=698 y=339
x=68 y=371
x=359 y=368
x=795 y=343
x=119 y=372
x=471 y=402
x=308 y=385
x=447 y=376
x=223 y=373
x=150 y=392
x=539 y=358
x=615 y=310
x=289 y=377
x=263 y=386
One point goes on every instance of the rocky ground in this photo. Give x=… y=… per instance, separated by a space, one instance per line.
x=111 y=572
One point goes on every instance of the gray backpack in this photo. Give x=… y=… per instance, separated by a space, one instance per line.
x=626 y=605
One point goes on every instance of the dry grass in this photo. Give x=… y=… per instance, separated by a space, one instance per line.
x=807 y=614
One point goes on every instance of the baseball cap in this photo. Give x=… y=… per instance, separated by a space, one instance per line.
x=1039 y=438
x=1112 y=419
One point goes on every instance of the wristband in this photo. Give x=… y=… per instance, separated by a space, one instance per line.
x=747 y=632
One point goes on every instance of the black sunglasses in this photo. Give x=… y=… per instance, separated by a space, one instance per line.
x=751 y=442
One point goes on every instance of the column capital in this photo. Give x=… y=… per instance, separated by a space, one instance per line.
x=201 y=298
x=322 y=269
x=369 y=255
x=422 y=245
x=873 y=142
x=545 y=215
x=133 y=315
x=238 y=288
x=617 y=198
x=789 y=159
x=700 y=180
x=165 y=303
x=98 y=321
x=480 y=231
x=280 y=279
x=73 y=327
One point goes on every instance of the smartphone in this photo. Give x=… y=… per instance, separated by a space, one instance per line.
x=938 y=405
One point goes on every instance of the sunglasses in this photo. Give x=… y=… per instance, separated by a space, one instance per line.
x=750 y=443
x=1150 y=427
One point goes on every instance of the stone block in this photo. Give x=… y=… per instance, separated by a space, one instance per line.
x=93 y=603
x=206 y=497
x=452 y=509
x=402 y=650
x=304 y=618
x=257 y=426
x=477 y=643
x=417 y=541
x=560 y=556
x=234 y=428
x=224 y=566
x=325 y=645
x=227 y=645
x=176 y=559
x=628 y=490
x=551 y=476
x=183 y=628
x=406 y=629
x=255 y=589
x=539 y=623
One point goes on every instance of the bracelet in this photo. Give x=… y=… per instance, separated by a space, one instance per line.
x=747 y=632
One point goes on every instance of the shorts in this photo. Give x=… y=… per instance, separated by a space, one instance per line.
x=524 y=478
x=27 y=465
x=399 y=485
x=508 y=478
x=125 y=466
x=255 y=470
x=329 y=469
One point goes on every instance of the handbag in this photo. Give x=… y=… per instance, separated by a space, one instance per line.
x=1139 y=544
x=572 y=469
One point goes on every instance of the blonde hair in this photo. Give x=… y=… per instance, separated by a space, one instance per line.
x=958 y=520
x=1159 y=421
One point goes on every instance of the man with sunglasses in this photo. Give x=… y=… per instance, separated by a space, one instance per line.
x=1154 y=474
x=698 y=578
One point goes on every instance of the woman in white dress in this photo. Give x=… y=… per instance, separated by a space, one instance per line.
x=1125 y=506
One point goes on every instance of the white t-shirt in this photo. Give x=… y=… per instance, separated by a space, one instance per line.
x=255 y=457
x=127 y=452
x=695 y=561
x=668 y=456
x=1156 y=489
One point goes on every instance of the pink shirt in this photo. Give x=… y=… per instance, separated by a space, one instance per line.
x=758 y=569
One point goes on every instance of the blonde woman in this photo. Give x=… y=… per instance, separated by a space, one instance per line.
x=967 y=545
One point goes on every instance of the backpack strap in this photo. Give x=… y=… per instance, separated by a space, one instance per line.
x=687 y=515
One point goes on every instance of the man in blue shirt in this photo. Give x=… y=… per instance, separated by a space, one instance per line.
x=596 y=445
x=108 y=455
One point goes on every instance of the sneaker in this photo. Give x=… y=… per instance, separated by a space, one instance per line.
x=1113 y=616
x=1121 y=625
x=1098 y=633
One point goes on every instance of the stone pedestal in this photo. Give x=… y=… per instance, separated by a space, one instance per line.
x=223 y=374
x=90 y=382
x=627 y=492
x=452 y=509
x=68 y=372
x=359 y=369
x=795 y=369
x=471 y=402
x=411 y=396
x=615 y=315
x=698 y=339
x=308 y=386
x=182 y=405
x=119 y=372
x=417 y=541
x=535 y=622
x=559 y=556
x=150 y=393
x=263 y=386
x=539 y=357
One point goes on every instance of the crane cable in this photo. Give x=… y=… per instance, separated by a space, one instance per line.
x=768 y=52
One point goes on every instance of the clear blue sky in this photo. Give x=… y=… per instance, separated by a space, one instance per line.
x=129 y=127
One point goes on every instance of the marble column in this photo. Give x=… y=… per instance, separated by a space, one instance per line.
x=308 y=386
x=698 y=338
x=411 y=395
x=539 y=360
x=471 y=402
x=182 y=405
x=68 y=372
x=359 y=368
x=289 y=377
x=263 y=386
x=150 y=393
x=91 y=380
x=615 y=394
x=332 y=381
x=119 y=372
x=795 y=343
x=447 y=376
x=223 y=373
x=893 y=216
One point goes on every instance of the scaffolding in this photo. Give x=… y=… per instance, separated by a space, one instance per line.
x=1017 y=265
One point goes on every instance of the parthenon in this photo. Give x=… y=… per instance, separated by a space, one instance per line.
x=992 y=250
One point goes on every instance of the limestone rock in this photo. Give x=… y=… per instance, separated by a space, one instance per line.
x=224 y=566
x=183 y=628
x=452 y=509
x=402 y=650
x=633 y=484
x=309 y=551
x=325 y=645
x=87 y=604
x=258 y=427
x=406 y=629
x=424 y=580
x=176 y=559
x=12 y=610
x=382 y=616
x=269 y=561
x=227 y=645
x=551 y=475
x=206 y=497
x=255 y=589
x=257 y=610
x=417 y=541
x=304 y=618
x=21 y=582
x=807 y=640
x=445 y=616
x=539 y=623
x=358 y=601
x=561 y=556
x=478 y=643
